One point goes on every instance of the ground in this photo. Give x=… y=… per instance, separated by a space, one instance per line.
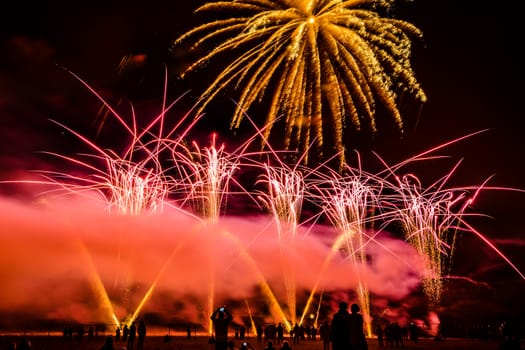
x=201 y=343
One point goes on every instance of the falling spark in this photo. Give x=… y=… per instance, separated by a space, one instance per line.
x=323 y=64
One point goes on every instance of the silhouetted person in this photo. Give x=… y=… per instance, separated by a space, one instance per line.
x=340 y=328
x=357 y=334
x=286 y=345
x=132 y=335
x=380 y=334
x=269 y=345
x=80 y=332
x=510 y=342
x=246 y=346
x=313 y=333
x=211 y=342
x=108 y=344
x=259 y=330
x=270 y=333
x=324 y=334
x=24 y=344
x=141 y=332
x=242 y=332
x=296 y=334
x=117 y=333
x=394 y=335
x=221 y=319
x=188 y=332
x=414 y=332
x=125 y=333
x=280 y=333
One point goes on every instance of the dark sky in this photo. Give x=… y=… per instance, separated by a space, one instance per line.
x=470 y=66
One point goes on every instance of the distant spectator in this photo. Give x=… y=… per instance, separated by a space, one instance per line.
x=324 y=334
x=141 y=331
x=285 y=345
x=24 y=344
x=269 y=345
x=131 y=336
x=108 y=344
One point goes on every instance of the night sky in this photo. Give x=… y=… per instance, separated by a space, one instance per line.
x=469 y=66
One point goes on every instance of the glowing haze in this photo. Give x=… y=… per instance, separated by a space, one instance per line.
x=58 y=259
x=80 y=253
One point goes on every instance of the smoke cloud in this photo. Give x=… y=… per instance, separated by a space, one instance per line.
x=70 y=260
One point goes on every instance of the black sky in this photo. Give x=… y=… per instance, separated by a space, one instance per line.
x=469 y=65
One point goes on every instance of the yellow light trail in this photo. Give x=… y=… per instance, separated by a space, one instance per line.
x=267 y=291
x=100 y=289
x=153 y=285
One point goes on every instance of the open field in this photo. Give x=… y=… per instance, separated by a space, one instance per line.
x=201 y=343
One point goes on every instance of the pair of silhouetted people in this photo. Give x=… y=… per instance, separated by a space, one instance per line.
x=346 y=330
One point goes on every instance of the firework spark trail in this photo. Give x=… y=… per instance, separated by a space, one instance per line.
x=100 y=289
x=427 y=221
x=137 y=186
x=206 y=175
x=284 y=198
x=433 y=217
x=131 y=186
x=153 y=285
x=347 y=202
x=275 y=308
x=360 y=185
x=316 y=56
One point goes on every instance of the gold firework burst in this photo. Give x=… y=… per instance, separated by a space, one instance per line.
x=323 y=65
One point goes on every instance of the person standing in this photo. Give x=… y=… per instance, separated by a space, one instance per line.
x=117 y=333
x=141 y=332
x=108 y=344
x=340 y=328
x=356 y=330
x=125 y=333
x=221 y=319
x=324 y=333
x=280 y=333
x=380 y=334
x=131 y=336
x=259 y=330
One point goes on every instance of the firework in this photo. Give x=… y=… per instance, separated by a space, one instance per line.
x=324 y=65
x=358 y=205
x=348 y=203
x=205 y=175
